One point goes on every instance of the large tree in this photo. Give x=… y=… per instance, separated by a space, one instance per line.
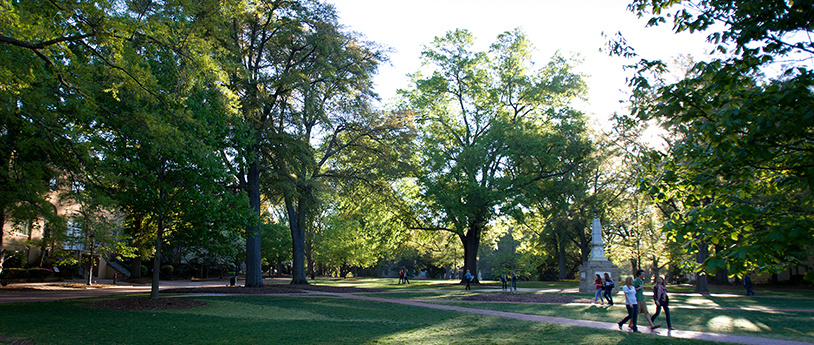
x=304 y=86
x=738 y=168
x=492 y=127
x=146 y=97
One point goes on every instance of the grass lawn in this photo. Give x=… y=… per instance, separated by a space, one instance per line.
x=324 y=320
x=287 y=320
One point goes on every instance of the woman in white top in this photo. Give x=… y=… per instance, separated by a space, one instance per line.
x=631 y=304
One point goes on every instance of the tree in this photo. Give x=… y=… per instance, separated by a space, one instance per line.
x=40 y=116
x=304 y=85
x=739 y=169
x=490 y=128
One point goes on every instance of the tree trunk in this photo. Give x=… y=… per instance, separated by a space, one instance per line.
x=157 y=259
x=2 y=234
x=656 y=268
x=309 y=259
x=296 y=220
x=160 y=236
x=722 y=276
x=135 y=264
x=254 y=269
x=46 y=235
x=701 y=277
x=135 y=268
x=471 y=243
x=562 y=270
x=584 y=243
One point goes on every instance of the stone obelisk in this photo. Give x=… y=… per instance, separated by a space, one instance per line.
x=597 y=263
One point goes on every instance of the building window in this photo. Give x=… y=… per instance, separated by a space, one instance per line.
x=24 y=227
x=75 y=238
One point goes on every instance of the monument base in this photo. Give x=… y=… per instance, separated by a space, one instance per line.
x=589 y=270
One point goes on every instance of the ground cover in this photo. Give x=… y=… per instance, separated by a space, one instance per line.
x=286 y=320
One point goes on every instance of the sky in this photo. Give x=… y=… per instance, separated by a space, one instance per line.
x=570 y=26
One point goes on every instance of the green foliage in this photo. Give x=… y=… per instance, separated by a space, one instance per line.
x=491 y=128
x=737 y=174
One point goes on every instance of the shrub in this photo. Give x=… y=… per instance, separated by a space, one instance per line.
x=167 y=270
x=15 y=273
x=39 y=273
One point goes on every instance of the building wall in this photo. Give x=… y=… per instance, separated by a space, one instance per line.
x=14 y=238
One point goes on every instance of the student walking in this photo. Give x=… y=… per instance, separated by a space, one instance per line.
x=638 y=284
x=468 y=278
x=401 y=276
x=514 y=282
x=503 y=279
x=599 y=289
x=608 y=286
x=406 y=277
x=662 y=302
x=747 y=283
x=631 y=305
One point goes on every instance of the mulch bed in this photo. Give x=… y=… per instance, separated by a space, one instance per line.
x=526 y=298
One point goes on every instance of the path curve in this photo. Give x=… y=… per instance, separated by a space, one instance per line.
x=729 y=338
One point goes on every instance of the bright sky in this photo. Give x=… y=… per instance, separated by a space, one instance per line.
x=567 y=26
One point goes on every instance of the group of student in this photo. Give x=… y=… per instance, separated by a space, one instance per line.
x=634 y=299
x=504 y=278
x=404 y=277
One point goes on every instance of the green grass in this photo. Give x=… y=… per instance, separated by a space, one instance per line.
x=288 y=320
x=322 y=320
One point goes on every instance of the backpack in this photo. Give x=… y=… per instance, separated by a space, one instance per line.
x=611 y=284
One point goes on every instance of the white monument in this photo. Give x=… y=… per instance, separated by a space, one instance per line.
x=597 y=263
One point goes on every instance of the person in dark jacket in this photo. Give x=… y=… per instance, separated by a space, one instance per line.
x=662 y=301
x=608 y=286
x=747 y=283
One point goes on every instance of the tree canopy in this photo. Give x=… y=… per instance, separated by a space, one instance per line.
x=737 y=173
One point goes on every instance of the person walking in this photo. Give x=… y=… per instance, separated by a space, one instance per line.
x=608 y=286
x=662 y=302
x=638 y=284
x=503 y=281
x=599 y=289
x=747 y=283
x=401 y=276
x=630 y=304
x=406 y=277
x=468 y=278
x=514 y=282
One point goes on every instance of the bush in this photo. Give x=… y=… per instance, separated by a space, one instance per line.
x=15 y=273
x=40 y=273
x=167 y=270
x=14 y=260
